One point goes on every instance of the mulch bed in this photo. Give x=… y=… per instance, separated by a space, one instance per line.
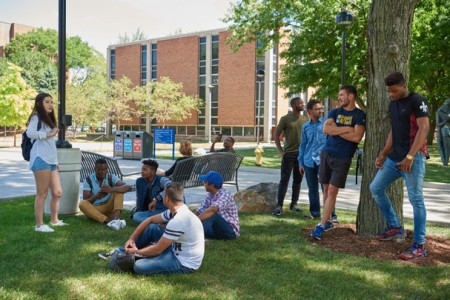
x=344 y=239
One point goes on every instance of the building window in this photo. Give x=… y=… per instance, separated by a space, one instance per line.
x=215 y=79
x=154 y=62
x=113 y=64
x=143 y=64
x=260 y=86
x=275 y=82
x=202 y=80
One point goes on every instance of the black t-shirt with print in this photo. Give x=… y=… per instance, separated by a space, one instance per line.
x=404 y=114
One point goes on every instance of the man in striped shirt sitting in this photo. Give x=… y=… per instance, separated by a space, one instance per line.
x=218 y=212
x=178 y=247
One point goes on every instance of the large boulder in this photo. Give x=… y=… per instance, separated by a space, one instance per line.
x=258 y=198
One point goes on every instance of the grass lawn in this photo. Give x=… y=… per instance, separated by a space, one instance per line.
x=271 y=259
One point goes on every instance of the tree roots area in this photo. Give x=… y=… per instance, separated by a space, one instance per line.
x=344 y=239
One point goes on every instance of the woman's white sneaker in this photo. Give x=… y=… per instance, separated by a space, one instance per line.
x=60 y=223
x=43 y=228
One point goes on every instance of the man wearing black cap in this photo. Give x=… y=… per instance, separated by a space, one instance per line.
x=218 y=212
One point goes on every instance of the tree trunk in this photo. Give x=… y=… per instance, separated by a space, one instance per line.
x=389 y=35
x=15 y=135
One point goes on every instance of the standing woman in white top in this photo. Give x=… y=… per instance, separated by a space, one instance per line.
x=44 y=161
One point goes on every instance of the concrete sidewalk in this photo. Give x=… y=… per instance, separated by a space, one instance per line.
x=16 y=180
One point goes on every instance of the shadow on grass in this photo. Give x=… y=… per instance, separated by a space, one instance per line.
x=270 y=260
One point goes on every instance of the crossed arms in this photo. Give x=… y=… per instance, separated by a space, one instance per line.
x=352 y=134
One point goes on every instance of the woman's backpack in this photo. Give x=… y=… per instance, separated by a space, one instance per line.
x=27 y=144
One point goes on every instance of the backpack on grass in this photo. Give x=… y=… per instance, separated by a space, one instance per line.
x=27 y=144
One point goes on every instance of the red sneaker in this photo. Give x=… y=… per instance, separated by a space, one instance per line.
x=414 y=252
x=392 y=233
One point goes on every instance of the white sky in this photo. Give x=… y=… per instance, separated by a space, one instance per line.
x=100 y=22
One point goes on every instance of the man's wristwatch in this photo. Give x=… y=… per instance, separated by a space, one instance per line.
x=409 y=157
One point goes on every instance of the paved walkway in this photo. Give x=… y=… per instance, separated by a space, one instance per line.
x=16 y=180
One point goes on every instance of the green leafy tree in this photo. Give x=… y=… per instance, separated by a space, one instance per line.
x=86 y=95
x=37 y=50
x=15 y=99
x=376 y=46
x=430 y=58
x=48 y=82
x=310 y=39
x=164 y=100
x=120 y=105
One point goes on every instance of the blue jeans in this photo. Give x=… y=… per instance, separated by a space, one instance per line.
x=312 y=179
x=165 y=263
x=140 y=216
x=289 y=164
x=414 y=185
x=217 y=228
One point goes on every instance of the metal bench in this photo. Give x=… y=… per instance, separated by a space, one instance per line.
x=88 y=160
x=188 y=171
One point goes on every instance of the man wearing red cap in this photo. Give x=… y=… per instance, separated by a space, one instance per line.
x=218 y=212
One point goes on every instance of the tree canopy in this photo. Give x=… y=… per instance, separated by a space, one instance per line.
x=164 y=100
x=15 y=98
x=310 y=39
x=311 y=42
x=36 y=52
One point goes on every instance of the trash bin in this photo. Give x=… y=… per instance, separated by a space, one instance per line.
x=142 y=145
x=118 y=144
x=128 y=145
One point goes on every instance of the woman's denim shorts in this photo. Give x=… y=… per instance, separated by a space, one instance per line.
x=40 y=165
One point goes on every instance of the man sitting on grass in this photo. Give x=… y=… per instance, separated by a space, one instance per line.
x=149 y=192
x=218 y=211
x=103 y=196
x=178 y=247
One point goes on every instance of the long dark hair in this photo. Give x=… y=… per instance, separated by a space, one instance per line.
x=38 y=109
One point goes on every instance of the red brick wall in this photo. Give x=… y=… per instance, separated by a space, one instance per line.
x=237 y=79
x=19 y=29
x=128 y=63
x=178 y=59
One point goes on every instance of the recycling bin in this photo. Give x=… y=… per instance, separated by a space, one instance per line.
x=142 y=145
x=128 y=145
x=118 y=144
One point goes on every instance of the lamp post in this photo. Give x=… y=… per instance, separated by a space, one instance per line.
x=208 y=108
x=63 y=119
x=260 y=77
x=344 y=19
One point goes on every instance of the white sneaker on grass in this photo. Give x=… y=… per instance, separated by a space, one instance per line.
x=43 y=228
x=60 y=223
x=122 y=223
x=117 y=224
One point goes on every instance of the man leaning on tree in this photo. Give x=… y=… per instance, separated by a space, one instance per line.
x=403 y=155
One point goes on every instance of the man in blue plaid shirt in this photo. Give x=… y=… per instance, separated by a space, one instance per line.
x=218 y=212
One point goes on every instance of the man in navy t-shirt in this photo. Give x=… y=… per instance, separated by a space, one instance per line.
x=404 y=156
x=345 y=128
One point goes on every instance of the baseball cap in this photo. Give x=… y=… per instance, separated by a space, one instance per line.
x=212 y=177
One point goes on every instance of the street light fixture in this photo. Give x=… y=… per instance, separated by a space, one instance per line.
x=260 y=77
x=344 y=19
x=208 y=108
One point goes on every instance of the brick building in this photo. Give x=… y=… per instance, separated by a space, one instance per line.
x=8 y=31
x=226 y=81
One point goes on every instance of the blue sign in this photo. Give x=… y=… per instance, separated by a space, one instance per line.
x=164 y=136
x=127 y=147
x=119 y=145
